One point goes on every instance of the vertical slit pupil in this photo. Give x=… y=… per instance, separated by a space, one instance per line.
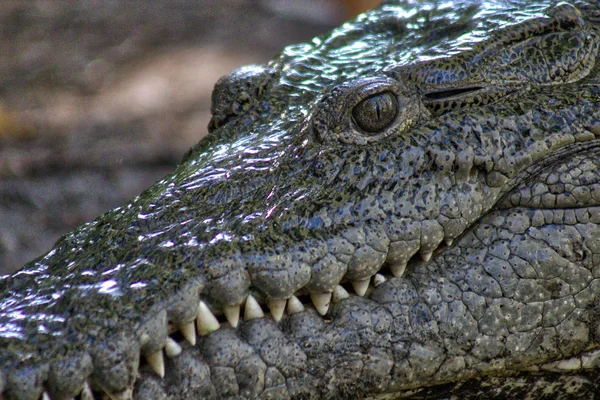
x=375 y=113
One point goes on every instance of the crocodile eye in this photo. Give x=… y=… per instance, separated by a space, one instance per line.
x=375 y=113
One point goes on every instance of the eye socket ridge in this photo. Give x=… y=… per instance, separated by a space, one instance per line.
x=367 y=111
x=376 y=112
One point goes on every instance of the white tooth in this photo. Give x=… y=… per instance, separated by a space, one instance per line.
x=188 y=331
x=360 y=287
x=321 y=301
x=426 y=255
x=46 y=396
x=339 y=294
x=86 y=392
x=172 y=348
x=571 y=364
x=378 y=279
x=232 y=313
x=277 y=308
x=398 y=269
x=590 y=359
x=144 y=339
x=449 y=242
x=206 y=322
x=294 y=305
x=253 y=309
x=157 y=363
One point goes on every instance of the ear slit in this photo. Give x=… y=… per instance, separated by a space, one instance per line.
x=445 y=94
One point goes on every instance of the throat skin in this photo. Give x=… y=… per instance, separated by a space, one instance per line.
x=408 y=207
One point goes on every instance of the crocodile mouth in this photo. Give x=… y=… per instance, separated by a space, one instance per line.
x=256 y=305
x=169 y=331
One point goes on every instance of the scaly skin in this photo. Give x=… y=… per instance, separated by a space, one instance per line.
x=451 y=157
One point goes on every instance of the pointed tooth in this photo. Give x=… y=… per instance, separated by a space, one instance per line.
x=232 y=313
x=188 y=331
x=252 y=309
x=294 y=305
x=339 y=294
x=46 y=396
x=321 y=301
x=172 y=348
x=86 y=392
x=157 y=363
x=360 y=287
x=449 y=242
x=277 y=308
x=144 y=339
x=206 y=322
x=398 y=269
x=426 y=255
x=378 y=279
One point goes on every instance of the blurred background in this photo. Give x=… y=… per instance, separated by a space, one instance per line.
x=101 y=98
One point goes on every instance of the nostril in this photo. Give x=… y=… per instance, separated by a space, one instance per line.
x=238 y=92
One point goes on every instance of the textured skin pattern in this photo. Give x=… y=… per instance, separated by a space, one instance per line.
x=469 y=181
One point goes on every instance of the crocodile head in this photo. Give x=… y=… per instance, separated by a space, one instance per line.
x=409 y=206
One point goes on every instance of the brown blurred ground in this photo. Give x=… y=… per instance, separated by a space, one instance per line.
x=100 y=98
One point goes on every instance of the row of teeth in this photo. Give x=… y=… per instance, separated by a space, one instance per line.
x=206 y=322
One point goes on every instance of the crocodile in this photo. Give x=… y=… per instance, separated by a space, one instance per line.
x=408 y=207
